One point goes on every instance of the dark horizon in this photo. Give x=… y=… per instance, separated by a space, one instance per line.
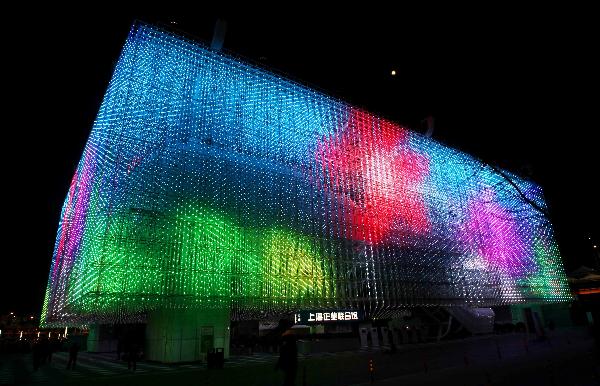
x=510 y=89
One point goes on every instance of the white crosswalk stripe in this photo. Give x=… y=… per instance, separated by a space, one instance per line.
x=106 y=364
x=6 y=377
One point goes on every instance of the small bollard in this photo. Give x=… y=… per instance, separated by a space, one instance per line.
x=371 y=370
x=425 y=367
x=466 y=359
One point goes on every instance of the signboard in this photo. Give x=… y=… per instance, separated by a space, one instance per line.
x=267 y=324
x=318 y=317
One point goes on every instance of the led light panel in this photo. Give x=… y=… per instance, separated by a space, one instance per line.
x=209 y=183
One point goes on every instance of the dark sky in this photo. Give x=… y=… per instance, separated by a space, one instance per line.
x=516 y=87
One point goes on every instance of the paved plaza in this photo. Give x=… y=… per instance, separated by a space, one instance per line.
x=567 y=358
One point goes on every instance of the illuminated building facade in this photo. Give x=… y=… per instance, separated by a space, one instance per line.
x=210 y=184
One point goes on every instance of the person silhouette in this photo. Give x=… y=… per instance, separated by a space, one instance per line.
x=52 y=348
x=73 y=350
x=132 y=355
x=119 y=347
x=288 y=360
x=391 y=340
x=44 y=350
x=37 y=355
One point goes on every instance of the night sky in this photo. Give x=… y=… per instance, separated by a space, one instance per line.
x=514 y=87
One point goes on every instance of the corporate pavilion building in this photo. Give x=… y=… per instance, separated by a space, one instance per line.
x=212 y=190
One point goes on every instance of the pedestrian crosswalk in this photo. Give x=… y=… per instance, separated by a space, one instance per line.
x=19 y=369
x=6 y=376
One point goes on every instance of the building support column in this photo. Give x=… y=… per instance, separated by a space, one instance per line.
x=100 y=339
x=186 y=335
x=93 y=338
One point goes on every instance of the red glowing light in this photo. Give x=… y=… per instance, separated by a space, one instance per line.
x=375 y=176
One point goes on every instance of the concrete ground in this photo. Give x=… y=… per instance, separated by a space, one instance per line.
x=567 y=358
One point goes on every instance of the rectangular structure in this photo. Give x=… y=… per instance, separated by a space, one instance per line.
x=210 y=183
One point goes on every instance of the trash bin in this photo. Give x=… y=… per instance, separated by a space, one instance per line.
x=215 y=358
x=304 y=346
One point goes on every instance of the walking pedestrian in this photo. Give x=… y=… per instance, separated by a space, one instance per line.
x=37 y=355
x=73 y=350
x=119 y=347
x=288 y=360
x=132 y=355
